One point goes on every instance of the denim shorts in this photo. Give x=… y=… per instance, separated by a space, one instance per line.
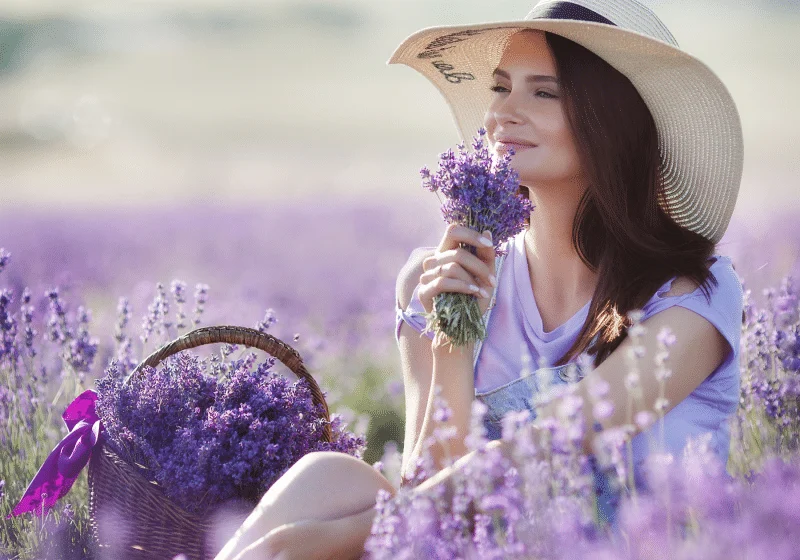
x=523 y=394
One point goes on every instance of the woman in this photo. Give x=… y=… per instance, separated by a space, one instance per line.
x=631 y=152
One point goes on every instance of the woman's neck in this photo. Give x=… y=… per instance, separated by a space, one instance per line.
x=557 y=272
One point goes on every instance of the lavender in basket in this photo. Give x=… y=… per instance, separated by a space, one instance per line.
x=206 y=440
x=480 y=193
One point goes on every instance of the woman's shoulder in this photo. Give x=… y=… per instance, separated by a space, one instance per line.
x=727 y=281
x=723 y=308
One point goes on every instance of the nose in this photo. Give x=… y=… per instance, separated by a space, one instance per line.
x=505 y=110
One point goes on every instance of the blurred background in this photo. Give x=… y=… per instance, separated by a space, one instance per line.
x=147 y=102
x=265 y=148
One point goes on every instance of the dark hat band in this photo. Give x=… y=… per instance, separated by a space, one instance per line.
x=567 y=10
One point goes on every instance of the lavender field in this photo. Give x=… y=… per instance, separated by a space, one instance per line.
x=79 y=289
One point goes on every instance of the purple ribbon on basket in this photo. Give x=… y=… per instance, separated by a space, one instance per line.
x=62 y=467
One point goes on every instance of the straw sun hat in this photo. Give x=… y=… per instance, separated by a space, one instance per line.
x=699 y=131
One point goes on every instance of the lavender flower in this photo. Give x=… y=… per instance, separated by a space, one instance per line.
x=200 y=298
x=771 y=382
x=4 y=258
x=178 y=289
x=82 y=348
x=162 y=303
x=8 y=329
x=481 y=193
x=30 y=332
x=68 y=512
x=57 y=327
x=711 y=518
x=123 y=318
x=156 y=318
x=123 y=343
x=207 y=440
x=785 y=309
x=269 y=319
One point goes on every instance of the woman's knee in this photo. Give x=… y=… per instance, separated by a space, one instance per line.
x=345 y=470
x=315 y=457
x=323 y=461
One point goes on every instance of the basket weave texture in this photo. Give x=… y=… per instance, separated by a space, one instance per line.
x=130 y=516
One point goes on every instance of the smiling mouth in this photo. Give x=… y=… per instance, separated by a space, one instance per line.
x=505 y=146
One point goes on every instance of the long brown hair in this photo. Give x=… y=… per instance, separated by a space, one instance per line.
x=621 y=228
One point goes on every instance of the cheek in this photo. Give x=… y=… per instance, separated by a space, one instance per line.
x=564 y=139
x=558 y=129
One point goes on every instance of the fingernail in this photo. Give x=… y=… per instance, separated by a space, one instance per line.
x=484 y=293
x=486 y=242
x=473 y=287
x=493 y=280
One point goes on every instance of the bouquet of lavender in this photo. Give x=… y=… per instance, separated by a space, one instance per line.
x=480 y=193
x=208 y=440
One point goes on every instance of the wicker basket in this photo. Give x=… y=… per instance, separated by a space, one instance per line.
x=130 y=517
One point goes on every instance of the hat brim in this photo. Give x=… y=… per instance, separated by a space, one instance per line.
x=699 y=128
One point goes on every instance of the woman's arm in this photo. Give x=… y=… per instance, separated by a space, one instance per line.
x=453 y=372
x=699 y=349
x=423 y=362
x=415 y=357
x=450 y=268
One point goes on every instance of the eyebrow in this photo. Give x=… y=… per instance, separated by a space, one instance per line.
x=528 y=79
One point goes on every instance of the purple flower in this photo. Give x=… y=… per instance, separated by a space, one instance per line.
x=178 y=289
x=666 y=338
x=207 y=440
x=156 y=318
x=785 y=311
x=123 y=318
x=8 y=329
x=200 y=299
x=441 y=412
x=480 y=193
x=4 y=258
x=82 y=348
x=269 y=319
x=58 y=329
x=30 y=332
x=68 y=512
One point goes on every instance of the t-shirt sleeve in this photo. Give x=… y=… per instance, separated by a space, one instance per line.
x=414 y=315
x=724 y=310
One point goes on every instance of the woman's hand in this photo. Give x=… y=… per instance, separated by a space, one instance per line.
x=455 y=269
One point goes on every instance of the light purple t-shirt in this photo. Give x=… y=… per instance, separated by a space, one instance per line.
x=515 y=324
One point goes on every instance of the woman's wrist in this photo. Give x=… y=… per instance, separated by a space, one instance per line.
x=442 y=347
x=458 y=360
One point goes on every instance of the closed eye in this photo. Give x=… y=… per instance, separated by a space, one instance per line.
x=547 y=94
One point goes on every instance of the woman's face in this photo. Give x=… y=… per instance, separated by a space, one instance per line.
x=528 y=106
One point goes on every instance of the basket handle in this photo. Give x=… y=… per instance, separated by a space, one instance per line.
x=241 y=336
